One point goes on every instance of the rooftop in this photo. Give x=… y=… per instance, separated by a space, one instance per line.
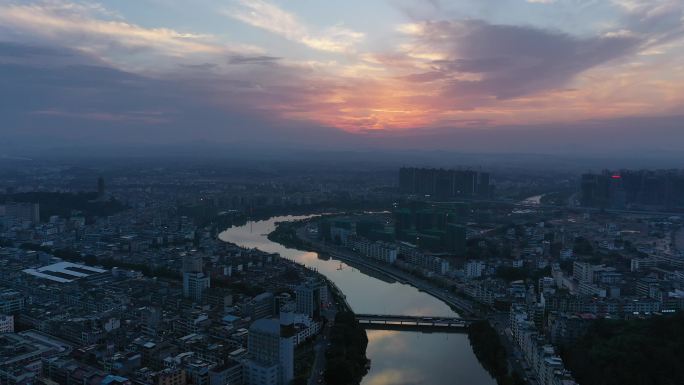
x=64 y=272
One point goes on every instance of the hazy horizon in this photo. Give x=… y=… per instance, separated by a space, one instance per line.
x=558 y=77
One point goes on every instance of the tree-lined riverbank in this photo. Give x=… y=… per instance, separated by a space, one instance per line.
x=399 y=358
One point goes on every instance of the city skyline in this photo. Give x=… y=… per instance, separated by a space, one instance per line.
x=369 y=192
x=535 y=76
x=191 y=275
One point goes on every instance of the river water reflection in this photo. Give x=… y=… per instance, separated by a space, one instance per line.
x=398 y=358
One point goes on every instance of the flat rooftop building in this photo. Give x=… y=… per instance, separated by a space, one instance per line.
x=65 y=272
x=25 y=347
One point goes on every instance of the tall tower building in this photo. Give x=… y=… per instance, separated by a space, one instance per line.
x=444 y=184
x=271 y=352
x=195 y=282
x=195 y=285
x=310 y=297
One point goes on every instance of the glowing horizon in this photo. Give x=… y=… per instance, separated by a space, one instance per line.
x=388 y=65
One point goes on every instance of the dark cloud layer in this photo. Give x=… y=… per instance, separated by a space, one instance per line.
x=261 y=59
x=45 y=102
x=632 y=137
x=61 y=97
x=509 y=61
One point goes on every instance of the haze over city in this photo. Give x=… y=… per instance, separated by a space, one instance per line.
x=576 y=77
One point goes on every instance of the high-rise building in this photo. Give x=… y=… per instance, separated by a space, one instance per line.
x=18 y=213
x=583 y=272
x=195 y=285
x=474 y=269
x=444 y=184
x=628 y=188
x=195 y=282
x=311 y=296
x=438 y=227
x=271 y=353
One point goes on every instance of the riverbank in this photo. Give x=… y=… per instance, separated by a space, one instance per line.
x=398 y=357
x=346 y=361
x=285 y=233
x=491 y=352
x=345 y=358
x=484 y=340
x=293 y=234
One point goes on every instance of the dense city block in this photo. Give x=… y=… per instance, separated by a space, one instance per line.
x=126 y=279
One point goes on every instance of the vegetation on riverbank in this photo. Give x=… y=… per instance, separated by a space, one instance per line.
x=285 y=233
x=636 y=352
x=305 y=357
x=557 y=198
x=510 y=274
x=346 y=361
x=208 y=213
x=491 y=353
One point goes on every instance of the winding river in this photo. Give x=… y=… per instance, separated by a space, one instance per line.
x=398 y=357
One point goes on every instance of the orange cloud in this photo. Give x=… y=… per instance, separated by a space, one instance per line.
x=441 y=73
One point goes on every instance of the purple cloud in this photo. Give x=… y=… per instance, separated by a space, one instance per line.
x=508 y=61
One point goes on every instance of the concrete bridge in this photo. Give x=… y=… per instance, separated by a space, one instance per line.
x=420 y=323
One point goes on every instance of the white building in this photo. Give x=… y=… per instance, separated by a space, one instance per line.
x=432 y=263
x=639 y=264
x=304 y=327
x=583 y=272
x=473 y=269
x=589 y=289
x=381 y=251
x=66 y=272
x=271 y=352
x=194 y=285
x=311 y=297
x=548 y=367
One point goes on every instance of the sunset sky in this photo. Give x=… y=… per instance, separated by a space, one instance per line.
x=316 y=71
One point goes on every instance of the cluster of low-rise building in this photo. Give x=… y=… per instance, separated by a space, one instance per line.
x=148 y=297
x=541 y=358
x=555 y=271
